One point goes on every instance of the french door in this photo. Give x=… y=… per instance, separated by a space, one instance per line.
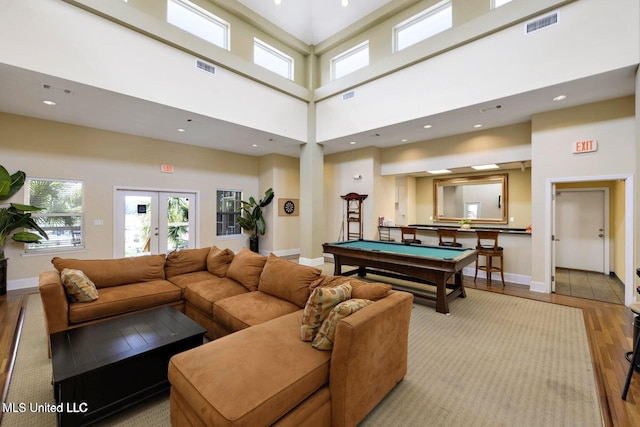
x=154 y=222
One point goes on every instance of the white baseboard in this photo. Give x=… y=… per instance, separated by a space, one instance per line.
x=312 y=262
x=17 y=284
x=538 y=287
x=519 y=279
x=287 y=252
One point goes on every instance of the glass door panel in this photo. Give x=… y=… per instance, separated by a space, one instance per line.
x=151 y=222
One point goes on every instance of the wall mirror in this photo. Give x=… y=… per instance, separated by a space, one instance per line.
x=483 y=199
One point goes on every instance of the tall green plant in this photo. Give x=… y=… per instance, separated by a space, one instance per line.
x=252 y=218
x=15 y=217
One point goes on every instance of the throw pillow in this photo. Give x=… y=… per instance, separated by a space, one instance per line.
x=186 y=261
x=326 y=334
x=287 y=280
x=320 y=303
x=77 y=286
x=218 y=261
x=246 y=268
x=359 y=288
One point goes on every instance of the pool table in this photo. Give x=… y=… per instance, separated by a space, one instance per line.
x=422 y=263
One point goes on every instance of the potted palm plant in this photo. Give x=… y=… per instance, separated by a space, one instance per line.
x=14 y=218
x=252 y=218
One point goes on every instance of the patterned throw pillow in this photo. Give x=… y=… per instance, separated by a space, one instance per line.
x=318 y=306
x=77 y=286
x=326 y=334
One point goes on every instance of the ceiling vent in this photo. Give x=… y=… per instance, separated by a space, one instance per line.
x=542 y=22
x=348 y=95
x=205 y=66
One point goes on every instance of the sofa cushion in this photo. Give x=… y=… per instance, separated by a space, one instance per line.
x=114 y=272
x=359 y=288
x=183 y=280
x=77 y=286
x=325 y=337
x=203 y=294
x=124 y=299
x=246 y=268
x=320 y=303
x=186 y=261
x=246 y=378
x=241 y=311
x=287 y=280
x=218 y=261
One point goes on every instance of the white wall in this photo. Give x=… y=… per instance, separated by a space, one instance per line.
x=592 y=37
x=64 y=41
x=612 y=124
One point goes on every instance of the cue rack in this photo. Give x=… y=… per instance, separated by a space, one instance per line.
x=354 y=215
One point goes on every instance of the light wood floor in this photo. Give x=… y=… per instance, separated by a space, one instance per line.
x=609 y=327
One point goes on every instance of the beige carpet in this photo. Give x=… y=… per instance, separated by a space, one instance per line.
x=495 y=361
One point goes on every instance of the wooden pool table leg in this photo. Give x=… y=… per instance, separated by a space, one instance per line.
x=460 y=284
x=441 y=295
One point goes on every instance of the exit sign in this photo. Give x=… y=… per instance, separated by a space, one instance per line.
x=166 y=168
x=586 y=146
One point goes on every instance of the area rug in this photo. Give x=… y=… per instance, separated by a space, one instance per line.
x=495 y=360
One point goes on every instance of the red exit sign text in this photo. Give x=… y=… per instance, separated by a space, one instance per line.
x=585 y=146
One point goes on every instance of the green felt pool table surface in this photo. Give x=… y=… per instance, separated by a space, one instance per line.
x=413 y=250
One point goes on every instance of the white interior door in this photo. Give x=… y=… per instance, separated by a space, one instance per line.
x=153 y=222
x=580 y=232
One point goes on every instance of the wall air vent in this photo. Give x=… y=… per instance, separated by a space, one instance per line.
x=542 y=22
x=205 y=66
x=348 y=95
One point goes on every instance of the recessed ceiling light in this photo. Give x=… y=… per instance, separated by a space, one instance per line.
x=181 y=130
x=560 y=97
x=49 y=102
x=404 y=140
x=485 y=167
x=439 y=171
x=352 y=142
x=254 y=145
x=427 y=126
x=477 y=126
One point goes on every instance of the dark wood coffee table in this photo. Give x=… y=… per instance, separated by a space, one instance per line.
x=105 y=367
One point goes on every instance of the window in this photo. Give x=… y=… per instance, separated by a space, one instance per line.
x=199 y=22
x=227 y=211
x=423 y=25
x=272 y=59
x=498 y=3
x=350 y=61
x=62 y=214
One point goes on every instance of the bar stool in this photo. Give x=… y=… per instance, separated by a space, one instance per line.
x=409 y=235
x=635 y=354
x=448 y=237
x=487 y=247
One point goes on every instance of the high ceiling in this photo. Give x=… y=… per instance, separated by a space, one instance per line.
x=313 y=21
x=22 y=92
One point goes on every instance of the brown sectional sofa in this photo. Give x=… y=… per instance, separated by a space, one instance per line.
x=257 y=370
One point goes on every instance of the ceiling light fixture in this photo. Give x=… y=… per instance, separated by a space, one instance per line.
x=427 y=126
x=277 y=2
x=181 y=130
x=352 y=142
x=560 y=97
x=439 y=171
x=345 y=3
x=254 y=145
x=485 y=167
x=49 y=102
x=404 y=140
x=477 y=126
